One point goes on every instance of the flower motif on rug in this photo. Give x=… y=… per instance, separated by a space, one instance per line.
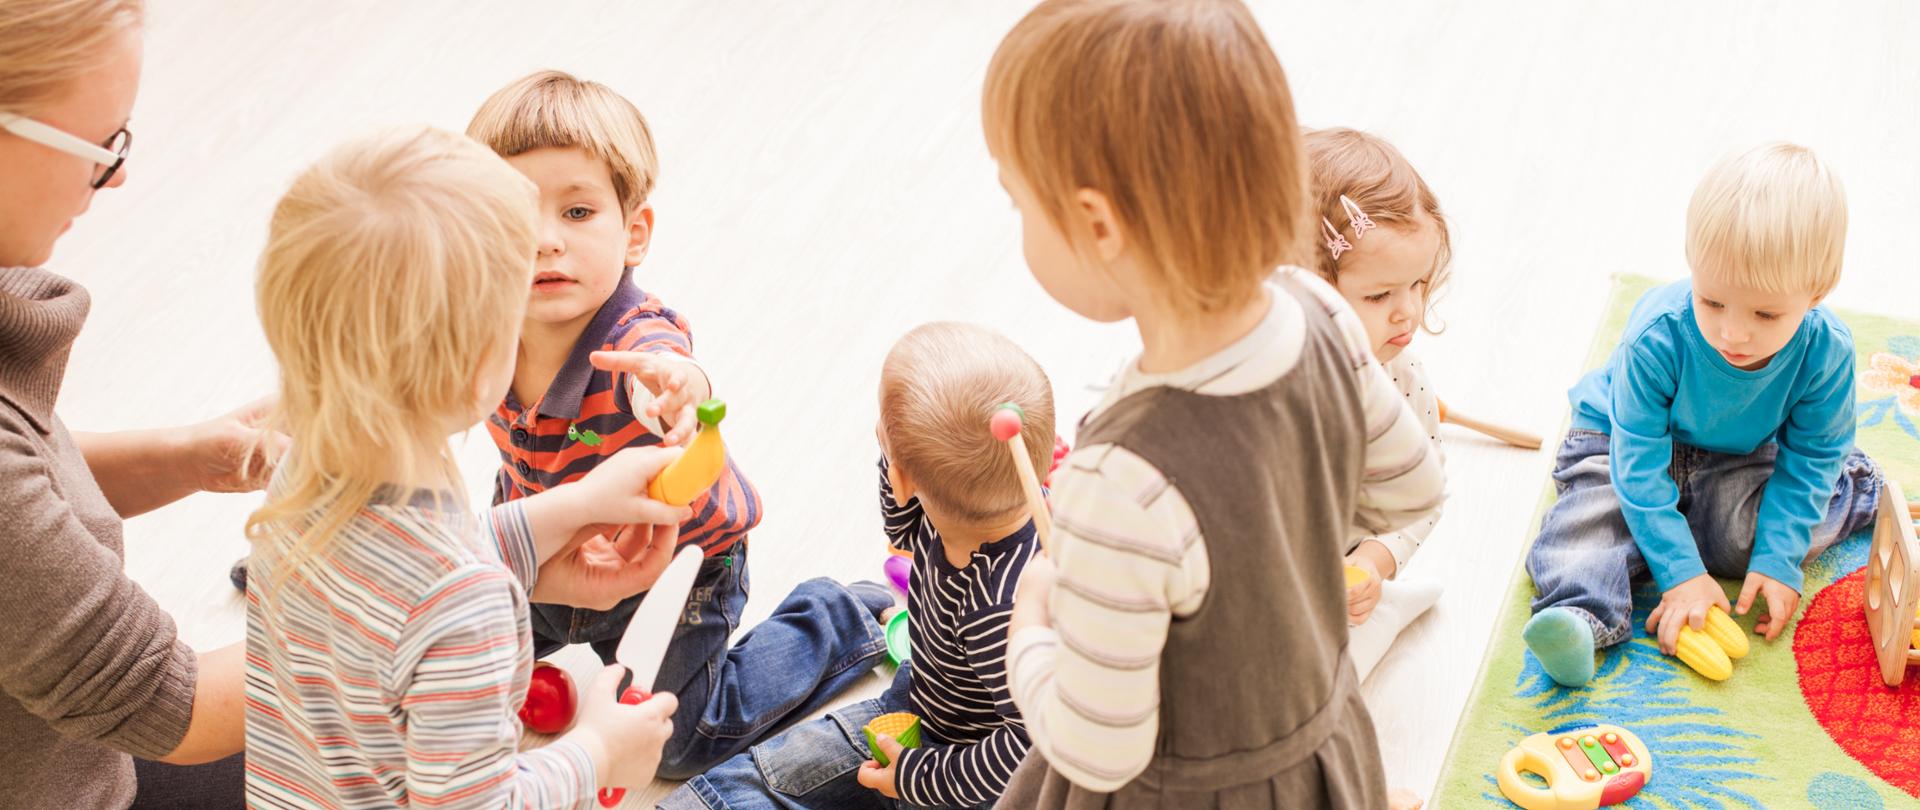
x=1895 y=375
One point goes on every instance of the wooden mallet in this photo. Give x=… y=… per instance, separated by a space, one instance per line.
x=1517 y=438
x=1007 y=421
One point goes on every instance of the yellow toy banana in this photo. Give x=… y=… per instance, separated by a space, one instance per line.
x=697 y=469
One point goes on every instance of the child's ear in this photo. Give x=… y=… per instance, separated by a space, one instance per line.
x=1099 y=225
x=639 y=234
x=902 y=485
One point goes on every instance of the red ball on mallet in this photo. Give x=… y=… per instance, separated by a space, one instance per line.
x=1006 y=421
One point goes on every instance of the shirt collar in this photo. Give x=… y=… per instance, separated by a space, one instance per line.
x=569 y=387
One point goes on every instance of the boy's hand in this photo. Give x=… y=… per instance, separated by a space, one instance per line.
x=1364 y=597
x=623 y=740
x=881 y=779
x=1031 y=595
x=1686 y=604
x=676 y=386
x=1782 y=601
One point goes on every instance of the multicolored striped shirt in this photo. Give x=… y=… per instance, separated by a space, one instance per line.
x=588 y=414
x=388 y=671
x=973 y=736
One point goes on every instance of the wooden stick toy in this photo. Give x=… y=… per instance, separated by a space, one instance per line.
x=1513 y=436
x=1893 y=586
x=1006 y=422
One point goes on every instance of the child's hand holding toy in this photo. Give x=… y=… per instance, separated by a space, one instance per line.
x=1031 y=595
x=672 y=386
x=1685 y=606
x=873 y=775
x=1782 y=601
x=1362 y=596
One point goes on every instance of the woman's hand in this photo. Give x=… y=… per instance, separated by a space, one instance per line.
x=232 y=453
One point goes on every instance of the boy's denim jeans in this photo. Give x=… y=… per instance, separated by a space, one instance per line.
x=1585 y=558
x=818 y=642
x=813 y=766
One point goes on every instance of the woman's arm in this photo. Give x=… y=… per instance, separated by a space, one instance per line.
x=218 y=728
x=143 y=470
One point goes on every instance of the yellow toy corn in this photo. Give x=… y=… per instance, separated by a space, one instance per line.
x=1698 y=650
x=1723 y=631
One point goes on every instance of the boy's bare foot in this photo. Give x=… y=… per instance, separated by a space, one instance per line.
x=1403 y=799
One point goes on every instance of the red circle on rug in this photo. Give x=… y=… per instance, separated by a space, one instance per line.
x=1840 y=679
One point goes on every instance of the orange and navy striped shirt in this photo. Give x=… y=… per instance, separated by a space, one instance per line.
x=586 y=416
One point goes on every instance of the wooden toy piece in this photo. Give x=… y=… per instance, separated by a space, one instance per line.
x=1513 y=436
x=1356 y=575
x=700 y=466
x=1584 y=769
x=903 y=727
x=1893 y=586
x=1006 y=422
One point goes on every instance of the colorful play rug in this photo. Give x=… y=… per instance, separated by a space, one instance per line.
x=1804 y=722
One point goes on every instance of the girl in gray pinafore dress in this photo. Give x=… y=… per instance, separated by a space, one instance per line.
x=1259 y=706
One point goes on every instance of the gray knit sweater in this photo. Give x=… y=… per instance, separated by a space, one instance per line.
x=90 y=667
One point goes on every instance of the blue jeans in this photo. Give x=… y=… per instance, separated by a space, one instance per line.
x=818 y=642
x=1585 y=558
x=813 y=766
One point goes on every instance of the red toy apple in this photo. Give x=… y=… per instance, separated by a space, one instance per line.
x=551 y=700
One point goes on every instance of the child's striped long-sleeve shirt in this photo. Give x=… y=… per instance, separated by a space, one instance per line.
x=1132 y=558
x=388 y=672
x=974 y=738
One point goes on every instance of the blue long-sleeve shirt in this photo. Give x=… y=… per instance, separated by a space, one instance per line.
x=1666 y=384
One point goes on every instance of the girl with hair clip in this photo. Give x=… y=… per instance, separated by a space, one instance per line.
x=1384 y=245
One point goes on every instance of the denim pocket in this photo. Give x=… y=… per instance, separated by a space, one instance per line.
x=811 y=755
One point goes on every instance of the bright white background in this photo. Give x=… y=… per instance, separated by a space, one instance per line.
x=825 y=187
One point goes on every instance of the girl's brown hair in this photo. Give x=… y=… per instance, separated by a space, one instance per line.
x=1376 y=177
x=1179 y=113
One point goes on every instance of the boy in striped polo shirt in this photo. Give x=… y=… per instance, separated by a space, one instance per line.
x=603 y=366
x=949 y=493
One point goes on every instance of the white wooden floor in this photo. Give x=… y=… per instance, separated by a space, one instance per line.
x=825 y=188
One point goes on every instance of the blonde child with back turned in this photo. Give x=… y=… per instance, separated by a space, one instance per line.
x=387 y=638
x=1199 y=528
x=1384 y=244
x=1718 y=438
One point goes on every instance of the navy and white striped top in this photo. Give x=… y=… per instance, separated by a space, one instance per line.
x=972 y=736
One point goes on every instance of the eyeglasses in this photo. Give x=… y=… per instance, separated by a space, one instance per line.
x=111 y=155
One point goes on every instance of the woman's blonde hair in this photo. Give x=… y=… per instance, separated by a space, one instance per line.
x=1370 y=172
x=554 y=110
x=1179 y=113
x=46 y=44
x=396 y=268
x=938 y=388
x=1773 y=218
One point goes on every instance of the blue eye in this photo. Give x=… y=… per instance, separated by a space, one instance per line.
x=578 y=213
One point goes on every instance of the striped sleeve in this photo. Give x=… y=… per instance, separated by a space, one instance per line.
x=972 y=775
x=1129 y=558
x=654 y=329
x=900 y=521
x=1403 y=481
x=507 y=525
x=1410 y=379
x=461 y=650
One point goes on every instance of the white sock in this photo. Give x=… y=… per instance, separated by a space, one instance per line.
x=1401 y=601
